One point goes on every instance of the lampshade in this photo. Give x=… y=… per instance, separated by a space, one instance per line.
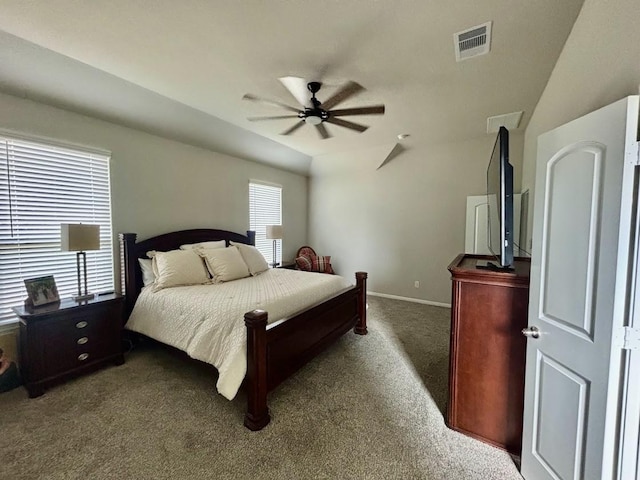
x=274 y=232
x=78 y=237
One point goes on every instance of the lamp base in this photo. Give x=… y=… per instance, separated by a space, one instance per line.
x=84 y=298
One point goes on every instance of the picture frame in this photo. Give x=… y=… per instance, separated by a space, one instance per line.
x=41 y=290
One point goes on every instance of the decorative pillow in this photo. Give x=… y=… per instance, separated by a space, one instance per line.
x=304 y=263
x=252 y=257
x=321 y=264
x=224 y=264
x=148 y=277
x=216 y=244
x=178 y=267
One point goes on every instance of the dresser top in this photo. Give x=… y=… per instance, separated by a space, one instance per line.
x=475 y=267
x=65 y=304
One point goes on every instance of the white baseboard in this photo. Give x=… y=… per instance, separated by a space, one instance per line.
x=409 y=299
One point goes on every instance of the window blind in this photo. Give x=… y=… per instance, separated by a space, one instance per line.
x=265 y=208
x=41 y=186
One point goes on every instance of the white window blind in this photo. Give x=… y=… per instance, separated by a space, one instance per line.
x=41 y=186
x=265 y=208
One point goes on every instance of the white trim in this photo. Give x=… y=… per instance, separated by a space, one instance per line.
x=265 y=183
x=409 y=299
x=9 y=328
x=54 y=142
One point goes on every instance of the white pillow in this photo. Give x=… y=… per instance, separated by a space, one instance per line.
x=224 y=264
x=148 y=277
x=252 y=257
x=178 y=267
x=216 y=244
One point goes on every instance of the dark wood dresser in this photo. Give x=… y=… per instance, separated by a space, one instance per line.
x=487 y=357
x=65 y=339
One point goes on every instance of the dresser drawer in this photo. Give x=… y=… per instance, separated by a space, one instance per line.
x=62 y=341
x=94 y=349
x=58 y=343
x=81 y=323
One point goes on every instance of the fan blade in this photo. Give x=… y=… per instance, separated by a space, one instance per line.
x=253 y=98
x=298 y=88
x=322 y=130
x=275 y=117
x=347 y=90
x=347 y=124
x=372 y=110
x=294 y=128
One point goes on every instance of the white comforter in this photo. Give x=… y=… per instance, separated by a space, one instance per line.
x=207 y=321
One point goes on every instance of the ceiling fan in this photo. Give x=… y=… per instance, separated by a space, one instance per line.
x=314 y=112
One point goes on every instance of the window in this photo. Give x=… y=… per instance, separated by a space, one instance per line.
x=41 y=186
x=265 y=208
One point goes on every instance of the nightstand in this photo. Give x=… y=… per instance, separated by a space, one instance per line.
x=66 y=339
x=287 y=265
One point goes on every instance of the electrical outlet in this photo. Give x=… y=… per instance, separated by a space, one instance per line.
x=416 y=284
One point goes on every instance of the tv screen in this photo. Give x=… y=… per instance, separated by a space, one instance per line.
x=500 y=201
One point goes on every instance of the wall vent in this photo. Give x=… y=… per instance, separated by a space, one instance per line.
x=472 y=42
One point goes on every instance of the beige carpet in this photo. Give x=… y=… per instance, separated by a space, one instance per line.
x=368 y=408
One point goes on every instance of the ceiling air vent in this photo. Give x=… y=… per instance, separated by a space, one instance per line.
x=510 y=121
x=473 y=41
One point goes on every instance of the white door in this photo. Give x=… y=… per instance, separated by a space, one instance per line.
x=580 y=270
x=476 y=232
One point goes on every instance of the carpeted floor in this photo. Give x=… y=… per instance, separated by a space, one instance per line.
x=367 y=408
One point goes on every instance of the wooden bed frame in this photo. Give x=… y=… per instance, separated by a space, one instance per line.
x=274 y=351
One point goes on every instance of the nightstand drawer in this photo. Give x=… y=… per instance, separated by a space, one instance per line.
x=61 y=341
x=66 y=358
x=78 y=325
x=95 y=349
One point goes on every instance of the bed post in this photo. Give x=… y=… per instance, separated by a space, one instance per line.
x=257 y=416
x=127 y=270
x=361 y=282
x=251 y=235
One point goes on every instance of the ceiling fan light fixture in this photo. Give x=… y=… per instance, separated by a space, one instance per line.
x=313 y=120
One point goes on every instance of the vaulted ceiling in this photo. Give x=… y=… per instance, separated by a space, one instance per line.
x=182 y=68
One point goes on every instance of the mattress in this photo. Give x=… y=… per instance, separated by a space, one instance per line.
x=207 y=321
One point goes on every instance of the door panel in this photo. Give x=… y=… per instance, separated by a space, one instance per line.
x=476 y=238
x=568 y=267
x=559 y=451
x=579 y=283
x=476 y=227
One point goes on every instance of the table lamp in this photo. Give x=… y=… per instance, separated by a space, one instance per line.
x=274 y=232
x=79 y=238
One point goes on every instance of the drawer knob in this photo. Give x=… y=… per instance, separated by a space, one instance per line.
x=83 y=356
x=83 y=340
x=81 y=324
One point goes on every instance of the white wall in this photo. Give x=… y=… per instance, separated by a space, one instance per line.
x=160 y=185
x=405 y=221
x=600 y=63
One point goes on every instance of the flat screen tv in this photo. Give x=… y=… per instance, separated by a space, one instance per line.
x=500 y=202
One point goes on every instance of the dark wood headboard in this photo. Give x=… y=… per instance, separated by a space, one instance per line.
x=131 y=251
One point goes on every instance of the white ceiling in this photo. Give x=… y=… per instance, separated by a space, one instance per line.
x=203 y=56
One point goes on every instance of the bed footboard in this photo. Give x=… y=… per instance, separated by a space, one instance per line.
x=276 y=351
